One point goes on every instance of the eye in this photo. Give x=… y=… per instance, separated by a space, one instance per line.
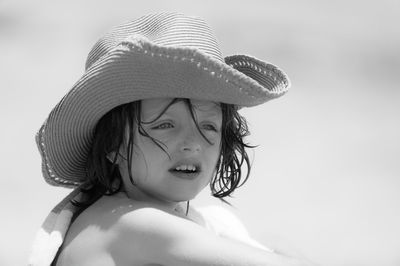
x=164 y=125
x=209 y=127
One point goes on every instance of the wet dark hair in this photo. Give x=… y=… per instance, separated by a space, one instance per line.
x=103 y=173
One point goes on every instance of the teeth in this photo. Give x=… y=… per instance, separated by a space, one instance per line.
x=186 y=167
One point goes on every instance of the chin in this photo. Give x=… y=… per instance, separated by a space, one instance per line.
x=183 y=198
x=180 y=198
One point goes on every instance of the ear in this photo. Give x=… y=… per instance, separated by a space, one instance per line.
x=111 y=157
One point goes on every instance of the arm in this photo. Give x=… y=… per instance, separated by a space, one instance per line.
x=152 y=236
x=226 y=224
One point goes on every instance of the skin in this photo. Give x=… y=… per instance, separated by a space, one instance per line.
x=183 y=141
x=145 y=224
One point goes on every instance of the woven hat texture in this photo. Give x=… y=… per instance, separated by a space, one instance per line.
x=158 y=55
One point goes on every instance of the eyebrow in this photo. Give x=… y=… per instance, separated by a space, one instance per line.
x=209 y=111
x=155 y=116
x=212 y=115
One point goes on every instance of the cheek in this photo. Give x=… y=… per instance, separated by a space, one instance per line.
x=147 y=157
x=145 y=146
x=217 y=145
x=213 y=154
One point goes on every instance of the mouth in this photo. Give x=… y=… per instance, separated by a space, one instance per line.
x=186 y=170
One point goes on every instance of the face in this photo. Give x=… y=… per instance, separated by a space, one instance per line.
x=189 y=160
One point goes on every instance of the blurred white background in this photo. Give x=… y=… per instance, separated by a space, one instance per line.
x=326 y=174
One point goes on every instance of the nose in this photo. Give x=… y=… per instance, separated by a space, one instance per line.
x=190 y=141
x=190 y=146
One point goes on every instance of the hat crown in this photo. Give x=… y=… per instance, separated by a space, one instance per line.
x=165 y=29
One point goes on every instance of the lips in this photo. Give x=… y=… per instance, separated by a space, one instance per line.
x=186 y=169
x=184 y=175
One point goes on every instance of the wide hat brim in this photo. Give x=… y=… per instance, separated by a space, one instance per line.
x=139 y=69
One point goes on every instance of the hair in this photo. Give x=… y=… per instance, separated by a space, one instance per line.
x=103 y=173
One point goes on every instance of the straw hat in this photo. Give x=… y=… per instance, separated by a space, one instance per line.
x=158 y=55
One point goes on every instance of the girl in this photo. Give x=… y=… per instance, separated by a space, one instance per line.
x=153 y=120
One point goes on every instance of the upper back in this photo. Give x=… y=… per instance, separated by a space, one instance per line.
x=94 y=238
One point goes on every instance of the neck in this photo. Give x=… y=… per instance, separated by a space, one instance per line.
x=135 y=193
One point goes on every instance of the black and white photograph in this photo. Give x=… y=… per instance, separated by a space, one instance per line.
x=200 y=133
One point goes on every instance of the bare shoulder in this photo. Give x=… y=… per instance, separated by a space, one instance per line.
x=119 y=231
x=222 y=218
x=224 y=222
x=110 y=232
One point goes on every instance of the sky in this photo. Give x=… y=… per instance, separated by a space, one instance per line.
x=326 y=173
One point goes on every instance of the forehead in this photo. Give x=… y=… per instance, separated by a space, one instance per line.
x=152 y=107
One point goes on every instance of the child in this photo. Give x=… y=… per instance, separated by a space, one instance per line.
x=153 y=120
